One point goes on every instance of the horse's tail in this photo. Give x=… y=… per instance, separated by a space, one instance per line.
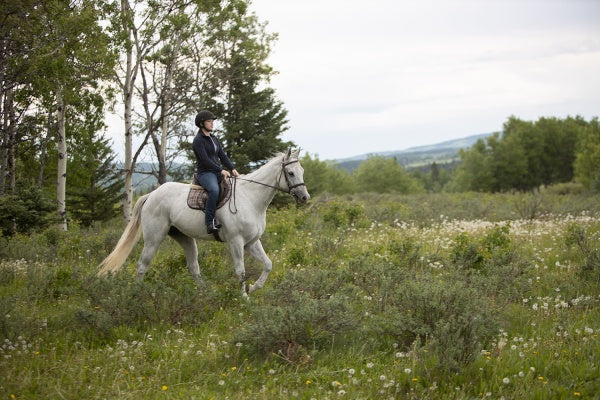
x=129 y=238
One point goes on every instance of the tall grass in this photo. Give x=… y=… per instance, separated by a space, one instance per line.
x=425 y=296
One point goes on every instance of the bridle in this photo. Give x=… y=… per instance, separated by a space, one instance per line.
x=287 y=181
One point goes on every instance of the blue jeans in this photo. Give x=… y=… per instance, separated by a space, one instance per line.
x=210 y=182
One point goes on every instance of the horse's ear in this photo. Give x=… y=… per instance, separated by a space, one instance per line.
x=288 y=154
x=297 y=153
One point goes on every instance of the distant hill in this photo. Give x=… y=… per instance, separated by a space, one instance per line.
x=413 y=157
x=444 y=152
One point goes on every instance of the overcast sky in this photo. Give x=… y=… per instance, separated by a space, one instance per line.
x=367 y=76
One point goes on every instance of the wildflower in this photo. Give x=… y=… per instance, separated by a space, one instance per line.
x=341 y=392
x=506 y=381
x=335 y=384
x=541 y=378
x=370 y=365
x=271 y=371
x=308 y=381
x=164 y=387
x=382 y=378
x=351 y=371
x=576 y=394
x=221 y=382
x=407 y=370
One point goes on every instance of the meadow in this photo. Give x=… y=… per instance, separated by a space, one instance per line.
x=432 y=296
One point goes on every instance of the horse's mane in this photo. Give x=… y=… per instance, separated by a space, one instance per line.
x=275 y=158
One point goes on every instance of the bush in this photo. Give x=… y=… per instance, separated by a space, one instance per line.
x=476 y=254
x=303 y=310
x=589 y=255
x=452 y=319
x=167 y=295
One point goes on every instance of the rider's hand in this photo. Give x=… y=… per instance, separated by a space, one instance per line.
x=225 y=173
x=235 y=173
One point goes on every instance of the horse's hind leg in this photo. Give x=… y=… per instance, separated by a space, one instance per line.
x=153 y=237
x=256 y=250
x=143 y=264
x=191 y=253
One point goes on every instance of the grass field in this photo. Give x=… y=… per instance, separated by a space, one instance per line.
x=442 y=296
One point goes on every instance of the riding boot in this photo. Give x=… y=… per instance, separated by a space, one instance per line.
x=213 y=226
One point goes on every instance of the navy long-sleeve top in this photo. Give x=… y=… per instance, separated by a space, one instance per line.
x=209 y=154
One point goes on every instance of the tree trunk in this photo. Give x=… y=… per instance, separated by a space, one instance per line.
x=127 y=97
x=61 y=185
x=43 y=150
x=165 y=110
x=12 y=140
x=3 y=139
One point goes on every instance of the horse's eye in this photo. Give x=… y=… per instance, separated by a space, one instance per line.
x=290 y=173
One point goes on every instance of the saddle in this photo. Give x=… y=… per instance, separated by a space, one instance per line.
x=197 y=195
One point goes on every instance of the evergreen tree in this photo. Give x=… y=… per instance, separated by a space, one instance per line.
x=25 y=211
x=251 y=116
x=95 y=183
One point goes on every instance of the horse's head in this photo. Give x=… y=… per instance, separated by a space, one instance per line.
x=294 y=176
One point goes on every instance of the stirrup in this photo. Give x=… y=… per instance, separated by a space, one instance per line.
x=213 y=227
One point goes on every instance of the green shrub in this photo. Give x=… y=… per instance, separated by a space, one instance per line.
x=589 y=255
x=452 y=319
x=50 y=282
x=167 y=295
x=475 y=254
x=301 y=311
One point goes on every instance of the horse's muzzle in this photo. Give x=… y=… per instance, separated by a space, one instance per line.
x=301 y=196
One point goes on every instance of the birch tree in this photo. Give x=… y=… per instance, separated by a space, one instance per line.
x=79 y=57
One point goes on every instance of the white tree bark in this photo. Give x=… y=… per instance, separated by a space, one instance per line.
x=127 y=100
x=61 y=185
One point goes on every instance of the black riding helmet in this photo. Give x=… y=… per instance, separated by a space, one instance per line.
x=203 y=116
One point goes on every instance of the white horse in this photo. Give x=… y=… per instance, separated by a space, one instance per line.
x=165 y=212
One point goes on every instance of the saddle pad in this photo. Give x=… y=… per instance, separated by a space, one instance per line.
x=197 y=195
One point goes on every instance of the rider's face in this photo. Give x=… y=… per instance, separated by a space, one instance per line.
x=208 y=124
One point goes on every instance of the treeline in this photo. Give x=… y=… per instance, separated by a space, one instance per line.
x=65 y=63
x=527 y=155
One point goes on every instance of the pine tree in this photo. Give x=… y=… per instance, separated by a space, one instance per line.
x=251 y=116
x=95 y=187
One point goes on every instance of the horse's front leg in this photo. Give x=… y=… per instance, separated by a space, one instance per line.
x=256 y=250
x=236 y=247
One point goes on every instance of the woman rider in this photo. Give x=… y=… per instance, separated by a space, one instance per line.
x=209 y=156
